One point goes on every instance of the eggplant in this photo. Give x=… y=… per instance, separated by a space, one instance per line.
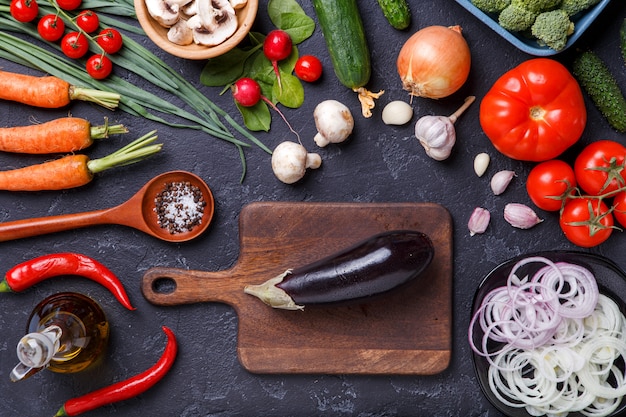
x=371 y=267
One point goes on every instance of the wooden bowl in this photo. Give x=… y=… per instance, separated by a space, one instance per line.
x=158 y=33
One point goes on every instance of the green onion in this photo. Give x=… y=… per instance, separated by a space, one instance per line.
x=135 y=100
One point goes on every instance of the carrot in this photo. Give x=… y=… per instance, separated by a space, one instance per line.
x=50 y=92
x=67 y=134
x=72 y=171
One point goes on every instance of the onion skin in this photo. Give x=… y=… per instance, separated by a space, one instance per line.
x=371 y=267
x=434 y=62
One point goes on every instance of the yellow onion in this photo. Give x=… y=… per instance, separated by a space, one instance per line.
x=434 y=62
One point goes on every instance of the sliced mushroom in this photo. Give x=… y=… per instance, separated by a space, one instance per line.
x=215 y=22
x=190 y=9
x=180 y=33
x=165 y=12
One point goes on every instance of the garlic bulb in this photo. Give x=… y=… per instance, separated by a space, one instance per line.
x=437 y=133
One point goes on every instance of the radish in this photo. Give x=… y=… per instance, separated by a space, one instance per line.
x=276 y=47
x=247 y=93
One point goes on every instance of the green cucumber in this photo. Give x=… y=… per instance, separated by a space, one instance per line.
x=622 y=38
x=344 y=34
x=397 y=13
x=595 y=77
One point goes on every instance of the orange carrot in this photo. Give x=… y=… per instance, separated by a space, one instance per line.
x=74 y=170
x=66 y=134
x=49 y=92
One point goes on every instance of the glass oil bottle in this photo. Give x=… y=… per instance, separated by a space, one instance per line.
x=67 y=332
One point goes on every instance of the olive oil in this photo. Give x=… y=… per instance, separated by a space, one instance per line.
x=67 y=332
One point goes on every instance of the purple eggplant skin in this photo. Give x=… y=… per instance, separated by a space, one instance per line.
x=370 y=267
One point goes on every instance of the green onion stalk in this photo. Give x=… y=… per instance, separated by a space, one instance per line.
x=135 y=100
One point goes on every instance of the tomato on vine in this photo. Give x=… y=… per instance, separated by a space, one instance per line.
x=586 y=222
x=619 y=210
x=69 y=4
x=74 y=45
x=51 y=27
x=600 y=167
x=549 y=183
x=24 y=10
x=110 y=40
x=99 y=66
x=88 y=21
x=308 y=68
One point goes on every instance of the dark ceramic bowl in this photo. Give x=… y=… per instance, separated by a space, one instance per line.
x=611 y=282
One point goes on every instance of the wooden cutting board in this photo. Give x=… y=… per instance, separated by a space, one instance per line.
x=404 y=332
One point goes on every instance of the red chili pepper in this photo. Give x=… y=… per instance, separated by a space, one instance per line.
x=126 y=389
x=29 y=273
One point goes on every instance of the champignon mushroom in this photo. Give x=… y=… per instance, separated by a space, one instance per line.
x=215 y=22
x=180 y=33
x=290 y=161
x=165 y=12
x=333 y=121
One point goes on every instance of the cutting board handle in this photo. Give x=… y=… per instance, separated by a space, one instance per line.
x=173 y=286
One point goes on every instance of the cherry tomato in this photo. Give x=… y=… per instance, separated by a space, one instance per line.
x=88 y=21
x=586 y=222
x=110 y=40
x=308 y=68
x=74 y=45
x=534 y=112
x=24 y=10
x=619 y=211
x=51 y=27
x=549 y=183
x=69 y=4
x=99 y=66
x=600 y=167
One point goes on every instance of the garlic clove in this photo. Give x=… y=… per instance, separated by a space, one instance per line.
x=521 y=216
x=478 y=221
x=397 y=112
x=481 y=162
x=500 y=181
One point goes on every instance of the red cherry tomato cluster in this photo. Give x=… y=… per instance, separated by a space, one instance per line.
x=590 y=194
x=74 y=43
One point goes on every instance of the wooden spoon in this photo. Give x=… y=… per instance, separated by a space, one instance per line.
x=137 y=212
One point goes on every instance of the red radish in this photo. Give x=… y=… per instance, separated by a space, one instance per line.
x=247 y=93
x=276 y=47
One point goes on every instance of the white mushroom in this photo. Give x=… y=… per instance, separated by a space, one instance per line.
x=215 y=22
x=290 y=160
x=165 y=12
x=190 y=9
x=238 y=4
x=180 y=33
x=334 y=122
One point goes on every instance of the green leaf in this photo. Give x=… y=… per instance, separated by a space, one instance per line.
x=227 y=68
x=292 y=93
x=290 y=17
x=299 y=27
x=257 y=117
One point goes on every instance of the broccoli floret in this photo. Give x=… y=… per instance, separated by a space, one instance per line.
x=552 y=29
x=575 y=6
x=491 y=6
x=516 y=18
x=538 y=6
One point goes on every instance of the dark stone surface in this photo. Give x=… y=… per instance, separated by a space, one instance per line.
x=378 y=164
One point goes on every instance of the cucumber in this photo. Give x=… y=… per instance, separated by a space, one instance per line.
x=344 y=34
x=397 y=13
x=622 y=38
x=595 y=77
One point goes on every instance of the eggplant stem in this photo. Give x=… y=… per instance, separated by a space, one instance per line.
x=271 y=295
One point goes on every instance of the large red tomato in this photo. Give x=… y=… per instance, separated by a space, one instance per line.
x=535 y=111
